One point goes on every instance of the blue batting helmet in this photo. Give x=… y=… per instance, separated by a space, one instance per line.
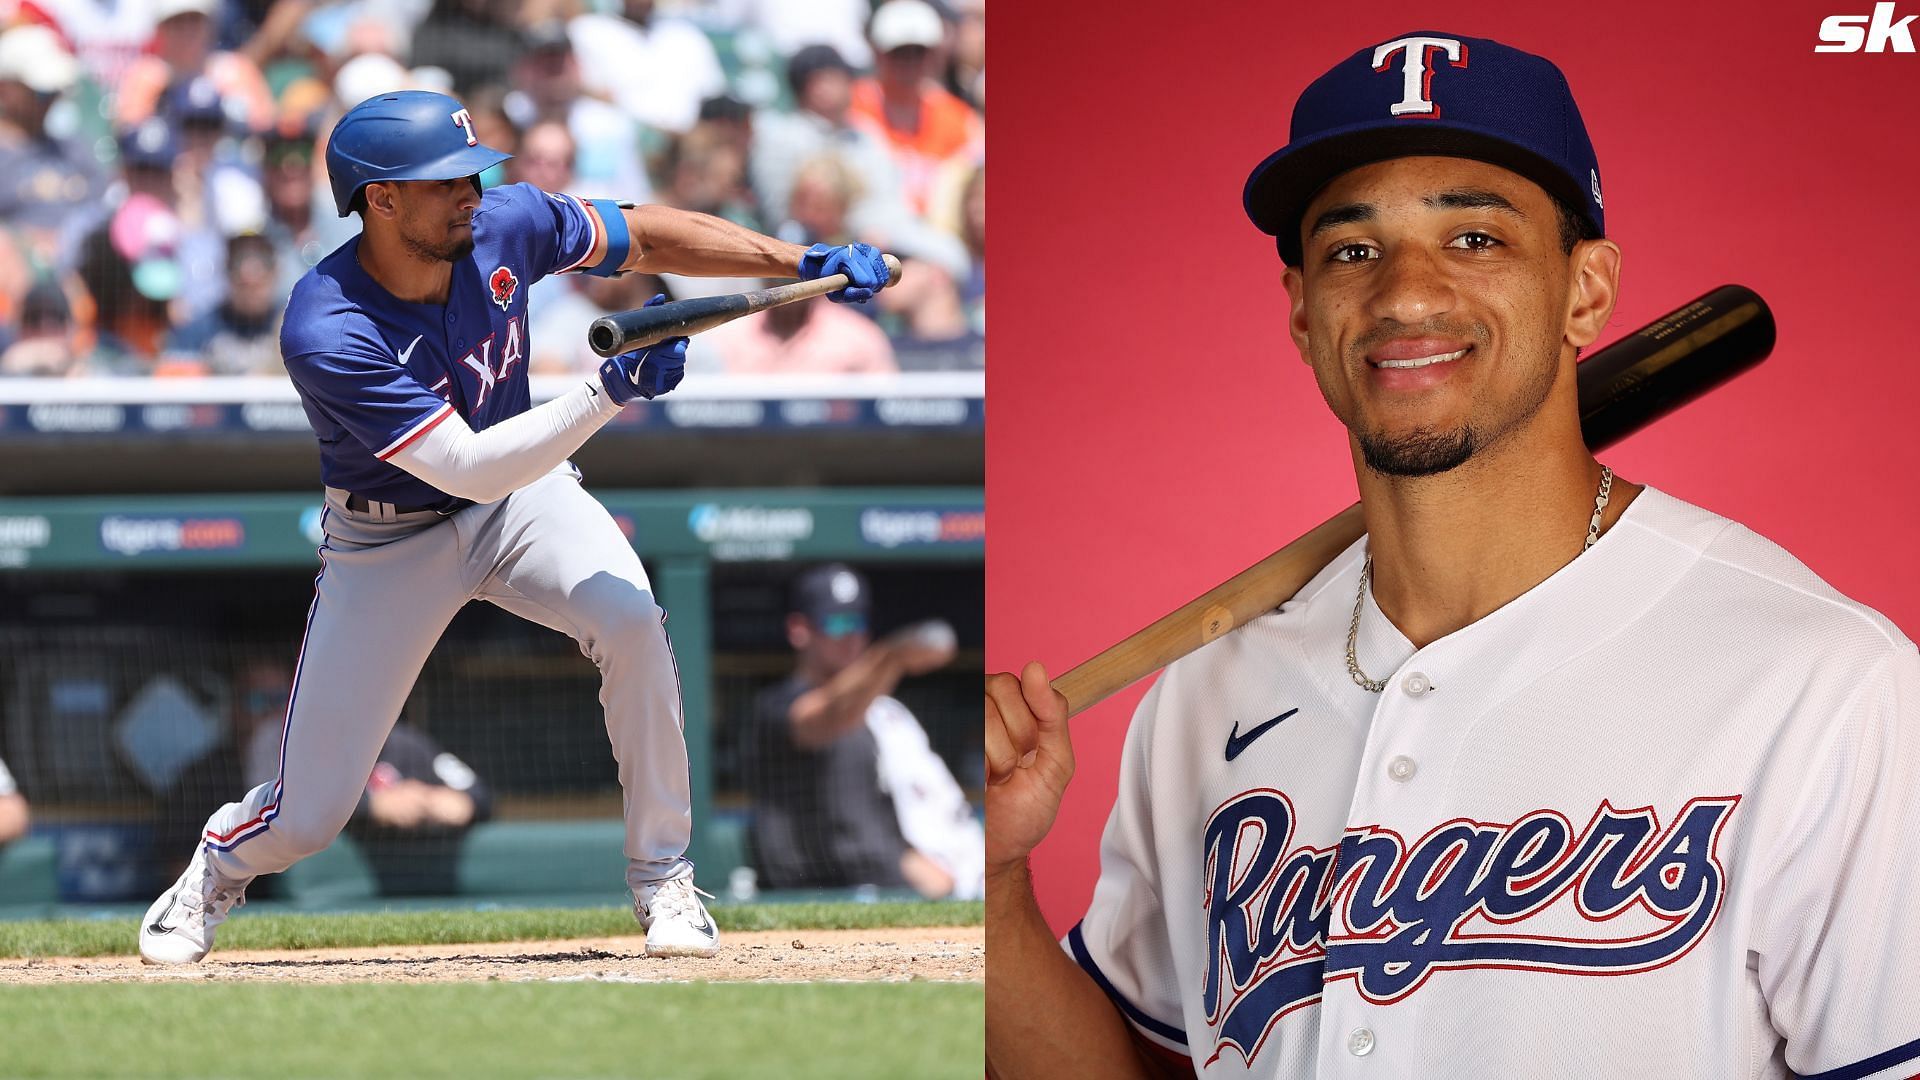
x=405 y=135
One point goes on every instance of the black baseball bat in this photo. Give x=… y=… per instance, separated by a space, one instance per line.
x=625 y=331
x=1623 y=387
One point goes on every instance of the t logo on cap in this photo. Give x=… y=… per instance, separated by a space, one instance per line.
x=1416 y=70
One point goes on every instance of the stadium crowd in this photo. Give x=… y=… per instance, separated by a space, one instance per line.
x=162 y=177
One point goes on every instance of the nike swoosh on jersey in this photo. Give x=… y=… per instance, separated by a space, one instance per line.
x=408 y=351
x=1236 y=742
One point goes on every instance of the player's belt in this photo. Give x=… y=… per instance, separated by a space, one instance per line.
x=447 y=507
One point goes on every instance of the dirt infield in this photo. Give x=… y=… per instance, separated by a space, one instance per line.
x=945 y=954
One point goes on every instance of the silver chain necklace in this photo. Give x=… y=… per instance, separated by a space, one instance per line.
x=1366 y=578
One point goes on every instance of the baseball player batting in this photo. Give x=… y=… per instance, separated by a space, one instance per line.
x=1551 y=774
x=408 y=346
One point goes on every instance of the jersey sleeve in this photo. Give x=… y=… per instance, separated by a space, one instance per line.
x=1122 y=941
x=7 y=786
x=1837 y=942
x=383 y=407
x=558 y=232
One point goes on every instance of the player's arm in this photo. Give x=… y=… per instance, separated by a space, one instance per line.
x=837 y=706
x=1045 y=1015
x=401 y=422
x=1835 y=942
x=670 y=241
x=664 y=240
x=489 y=465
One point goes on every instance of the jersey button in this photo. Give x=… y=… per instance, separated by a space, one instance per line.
x=1360 y=1042
x=1416 y=684
x=1402 y=768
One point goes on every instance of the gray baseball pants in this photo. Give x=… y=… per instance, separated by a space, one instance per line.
x=388 y=586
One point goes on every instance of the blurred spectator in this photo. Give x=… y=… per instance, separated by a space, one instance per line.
x=195 y=247
x=811 y=338
x=242 y=335
x=822 y=200
x=546 y=86
x=130 y=269
x=924 y=124
x=973 y=230
x=13 y=808
x=732 y=118
x=656 y=69
x=926 y=299
x=545 y=159
x=824 y=813
x=107 y=35
x=368 y=75
x=851 y=190
x=287 y=166
x=44 y=344
x=45 y=181
x=419 y=804
x=493 y=127
x=474 y=40
x=966 y=74
x=789 y=27
x=264 y=31
x=182 y=49
x=705 y=170
x=219 y=191
x=822 y=85
x=17 y=276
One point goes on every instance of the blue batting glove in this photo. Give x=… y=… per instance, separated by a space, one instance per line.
x=647 y=372
x=862 y=264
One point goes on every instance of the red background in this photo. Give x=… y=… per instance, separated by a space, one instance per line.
x=1152 y=430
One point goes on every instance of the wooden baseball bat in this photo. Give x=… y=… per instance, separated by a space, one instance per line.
x=625 y=331
x=1623 y=387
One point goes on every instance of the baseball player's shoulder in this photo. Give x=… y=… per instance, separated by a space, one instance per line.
x=510 y=204
x=1760 y=589
x=325 y=313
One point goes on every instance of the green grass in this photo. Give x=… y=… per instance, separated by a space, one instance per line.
x=831 y=1031
x=248 y=930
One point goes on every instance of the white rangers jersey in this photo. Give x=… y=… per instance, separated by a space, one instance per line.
x=1657 y=817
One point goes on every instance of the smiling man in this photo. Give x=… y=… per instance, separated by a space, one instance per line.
x=1551 y=774
x=444 y=484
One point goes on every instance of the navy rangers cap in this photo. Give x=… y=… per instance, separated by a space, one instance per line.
x=1428 y=93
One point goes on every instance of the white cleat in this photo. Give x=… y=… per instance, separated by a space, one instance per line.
x=178 y=928
x=677 y=922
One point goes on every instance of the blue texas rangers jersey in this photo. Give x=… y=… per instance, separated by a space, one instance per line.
x=376 y=373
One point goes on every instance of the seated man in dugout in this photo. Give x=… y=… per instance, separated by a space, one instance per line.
x=816 y=754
